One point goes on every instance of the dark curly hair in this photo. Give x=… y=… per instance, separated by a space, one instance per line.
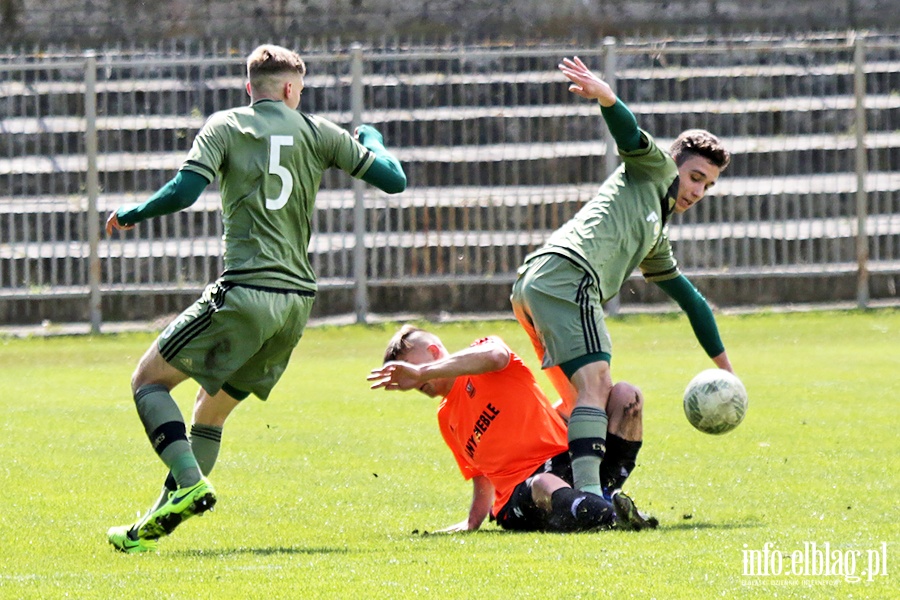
x=699 y=142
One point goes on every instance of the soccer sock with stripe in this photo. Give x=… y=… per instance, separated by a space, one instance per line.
x=587 y=439
x=205 y=442
x=618 y=463
x=165 y=428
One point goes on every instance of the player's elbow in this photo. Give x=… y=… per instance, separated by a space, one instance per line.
x=498 y=358
x=386 y=173
x=395 y=185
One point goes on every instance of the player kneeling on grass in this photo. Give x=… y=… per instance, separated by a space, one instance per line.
x=509 y=440
x=236 y=340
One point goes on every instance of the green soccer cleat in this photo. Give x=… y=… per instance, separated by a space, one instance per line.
x=183 y=504
x=628 y=516
x=124 y=539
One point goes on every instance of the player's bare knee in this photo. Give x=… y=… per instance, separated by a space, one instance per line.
x=542 y=487
x=139 y=378
x=626 y=400
x=634 y=408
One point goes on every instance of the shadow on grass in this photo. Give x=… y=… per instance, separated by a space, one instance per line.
x=688 y=525
x=274 y=551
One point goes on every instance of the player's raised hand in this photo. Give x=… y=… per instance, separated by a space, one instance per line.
x=586 y=83
x=396 y=376
x=112 y=224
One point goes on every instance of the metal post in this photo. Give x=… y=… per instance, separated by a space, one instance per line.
x=361 y=296
x=93 y=188
x=610 y=158
x=862 y=168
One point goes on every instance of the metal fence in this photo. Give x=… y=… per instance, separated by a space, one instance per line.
x=497 y=151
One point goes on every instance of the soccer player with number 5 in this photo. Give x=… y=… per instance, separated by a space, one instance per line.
x=237 y=339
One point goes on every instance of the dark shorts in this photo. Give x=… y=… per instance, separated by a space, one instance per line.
x=520 y=513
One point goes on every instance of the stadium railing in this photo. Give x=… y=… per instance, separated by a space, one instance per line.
x=498 y=154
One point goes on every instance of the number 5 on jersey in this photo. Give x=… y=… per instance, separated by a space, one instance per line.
x=275 y=168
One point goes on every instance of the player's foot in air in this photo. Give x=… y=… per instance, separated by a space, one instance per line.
x=628 y=516
x=124 y=538
x=183 y=504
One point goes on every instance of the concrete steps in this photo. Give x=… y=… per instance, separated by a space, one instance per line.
x=796 y=116
x=473 y=253
x=510 y=207
x=533 y=208
x=498 y=154
x=331 y=92
x=559 y=163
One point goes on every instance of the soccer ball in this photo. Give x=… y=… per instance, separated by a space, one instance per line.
x=715 y=401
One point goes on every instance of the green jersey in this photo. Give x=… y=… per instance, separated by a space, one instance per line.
x=624 y=225
x=270 y=160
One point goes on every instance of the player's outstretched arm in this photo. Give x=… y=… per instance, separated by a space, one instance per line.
x=722 y=362
x=482 y=500
x=475 y=360
x=619 y=118
x=177 y=194
x=112 y=223
x=386 y=173
x=701 y=317
x=485 y=357
x=586 y=83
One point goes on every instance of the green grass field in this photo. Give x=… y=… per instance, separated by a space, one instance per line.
x=326 y=490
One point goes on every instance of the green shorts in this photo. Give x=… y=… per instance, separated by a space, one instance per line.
x=558 y=304
x=236 y=337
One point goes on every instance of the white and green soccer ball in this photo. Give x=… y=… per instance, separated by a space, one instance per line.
x=715 y=401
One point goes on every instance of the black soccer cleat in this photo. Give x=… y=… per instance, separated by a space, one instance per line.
x=628 y=516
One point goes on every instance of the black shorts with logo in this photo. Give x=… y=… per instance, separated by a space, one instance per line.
x=520 y=513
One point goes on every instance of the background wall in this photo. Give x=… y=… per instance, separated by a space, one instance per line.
x=89 y=21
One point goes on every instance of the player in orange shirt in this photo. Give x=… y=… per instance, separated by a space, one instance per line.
x=507 y=438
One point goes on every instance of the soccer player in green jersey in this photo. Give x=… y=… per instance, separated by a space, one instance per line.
x=236 y=340
x=559 y=292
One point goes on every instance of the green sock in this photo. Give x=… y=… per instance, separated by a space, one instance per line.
x=205 y=443
x=163 y=495
x=587 y=440
x=165 y=428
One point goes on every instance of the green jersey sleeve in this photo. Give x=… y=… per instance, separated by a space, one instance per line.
x=660 y=264
x=623 y=126
x=179 y=193
x=208 y=150
x=698 y=311
x=386 y=172
x=339 y=149
x=649 y=162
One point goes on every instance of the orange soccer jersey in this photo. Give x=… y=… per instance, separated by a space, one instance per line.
x=501 y=425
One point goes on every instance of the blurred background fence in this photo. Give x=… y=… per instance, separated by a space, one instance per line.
x=498 y=154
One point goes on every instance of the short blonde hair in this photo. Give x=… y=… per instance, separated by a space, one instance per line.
x=401 y=343
x=268 y=61
x=406 y=339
